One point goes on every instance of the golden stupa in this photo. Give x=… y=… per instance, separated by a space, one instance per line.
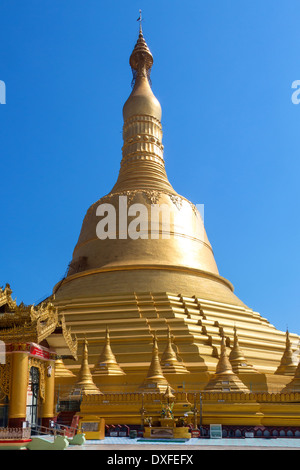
x=225 y=379
x=159 y=283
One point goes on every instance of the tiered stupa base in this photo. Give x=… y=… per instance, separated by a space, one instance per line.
x=197 y=327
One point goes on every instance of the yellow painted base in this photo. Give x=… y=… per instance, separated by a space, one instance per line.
x=133 y=317
x=93 y=427
x=260 y=409
x=167 y=432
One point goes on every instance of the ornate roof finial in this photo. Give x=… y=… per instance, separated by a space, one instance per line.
x=142 y=163
x=141 y=59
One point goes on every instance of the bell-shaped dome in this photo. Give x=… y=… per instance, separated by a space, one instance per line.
x=142 y=101
x=178 y=258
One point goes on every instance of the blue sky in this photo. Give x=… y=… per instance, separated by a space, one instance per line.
x=222 y=71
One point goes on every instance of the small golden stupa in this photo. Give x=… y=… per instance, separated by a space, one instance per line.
x=293 y=385
x=169 y=361
x=225 y=379
x=107 y=363
x=237 y=359
x=85 y=384
x=155 y=380
x=288 y=365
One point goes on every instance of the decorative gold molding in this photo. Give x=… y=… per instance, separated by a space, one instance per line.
x=152 y=195
x=5 y=376
x=45 y=318
x=5 y=297
x=29 y=323
x=71 y=341
x=134 y=267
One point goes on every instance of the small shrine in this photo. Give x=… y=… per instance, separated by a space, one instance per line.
x=168 y=427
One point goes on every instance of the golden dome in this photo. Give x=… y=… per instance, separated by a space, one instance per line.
x=181 y=259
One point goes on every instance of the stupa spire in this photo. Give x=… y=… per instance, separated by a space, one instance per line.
x=141 y=59
x=140 y=19
x=142 y=165
x=223 y=366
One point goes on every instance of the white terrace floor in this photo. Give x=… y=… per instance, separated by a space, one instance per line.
x=125 y=443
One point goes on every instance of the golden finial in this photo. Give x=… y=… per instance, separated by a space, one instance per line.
x=168 y=395
x=140 y=19
x=288 y=342
x=235 y=354
x=141 y=59
x=223 y=365
x=155 y=368
x=107 y=337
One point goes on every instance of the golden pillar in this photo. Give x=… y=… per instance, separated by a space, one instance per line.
x=18 y=391
x=48 y=405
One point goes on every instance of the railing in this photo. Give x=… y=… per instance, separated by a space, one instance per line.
x=25 y=433
x=15 y=433
x=57 y=430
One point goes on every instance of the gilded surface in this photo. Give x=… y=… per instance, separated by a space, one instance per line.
x=5 y=298
x=85 y=384
x=42 y=368
x=25 y=323
x=172 y=319
x=255 y=409
x=5 y=376
x=70 y=339
x=107 y=363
